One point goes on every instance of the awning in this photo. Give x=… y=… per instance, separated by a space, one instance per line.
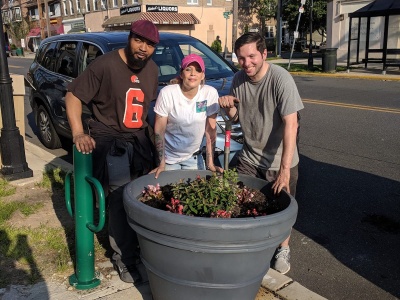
x=155 y=17
x=378 y=8
x=54 y=29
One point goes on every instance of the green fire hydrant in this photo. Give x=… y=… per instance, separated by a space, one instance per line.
x=85 y=276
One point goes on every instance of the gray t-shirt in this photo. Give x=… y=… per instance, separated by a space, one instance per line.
x=261 y=107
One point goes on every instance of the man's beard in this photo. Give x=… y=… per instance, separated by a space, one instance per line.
x=132 y=61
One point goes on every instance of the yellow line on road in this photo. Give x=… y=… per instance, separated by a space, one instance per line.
x=355 y=106
x=16 y=67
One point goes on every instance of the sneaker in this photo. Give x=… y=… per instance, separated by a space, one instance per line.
x=281 y=260
x=128 y=274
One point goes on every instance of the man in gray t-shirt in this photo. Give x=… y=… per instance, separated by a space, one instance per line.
x=268 y=103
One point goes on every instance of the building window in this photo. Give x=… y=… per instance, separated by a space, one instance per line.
x=103 y=4
x=71 y=7
x=87 y=5
x=209 y=2
x=135 y=1
x=95 y=5
x=78 y=6
x=65 y=9
x=124 y=2
x=115 y=3
x=269 y=32
x=192 y=2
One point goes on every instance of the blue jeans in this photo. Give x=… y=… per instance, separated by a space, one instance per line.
x=196 y=162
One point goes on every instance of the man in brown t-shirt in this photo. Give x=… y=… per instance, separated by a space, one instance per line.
x=118 y=86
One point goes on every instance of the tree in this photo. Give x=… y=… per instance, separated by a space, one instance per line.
x=264 y=10
x=290 y=13
x=20 y=29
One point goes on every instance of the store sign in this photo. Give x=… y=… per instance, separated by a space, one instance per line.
x=78 y=25
x=126 y=10
x=161 y=8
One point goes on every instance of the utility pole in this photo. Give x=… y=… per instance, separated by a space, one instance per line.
x=310 y=47
x=234 y=22
x=279 y=30
x=42 y=35
x=14 y=165
x=46 y=8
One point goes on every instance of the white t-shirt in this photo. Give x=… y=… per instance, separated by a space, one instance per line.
x=186 y=119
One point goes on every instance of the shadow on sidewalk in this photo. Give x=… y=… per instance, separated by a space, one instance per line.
x=17 y=261
x=354 y=215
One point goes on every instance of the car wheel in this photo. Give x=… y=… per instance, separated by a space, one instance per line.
x=47 y=134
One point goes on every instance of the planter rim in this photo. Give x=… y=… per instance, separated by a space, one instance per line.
x=200 y=221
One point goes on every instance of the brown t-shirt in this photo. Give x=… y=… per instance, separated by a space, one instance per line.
x=119 y=96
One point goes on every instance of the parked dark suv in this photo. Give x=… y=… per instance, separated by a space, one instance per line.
x=62 y=58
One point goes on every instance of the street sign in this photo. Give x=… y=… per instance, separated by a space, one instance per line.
x=226 y=14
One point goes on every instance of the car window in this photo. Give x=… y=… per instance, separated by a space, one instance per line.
x=46 y=57
x=169 y=54
x=66 y=58
x=89 y=53
x=215 y=66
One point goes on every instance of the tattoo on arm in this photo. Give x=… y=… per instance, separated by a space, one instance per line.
x=159 y=140
x=210 y=154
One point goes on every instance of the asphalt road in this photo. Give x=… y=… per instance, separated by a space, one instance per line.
x=346 y=239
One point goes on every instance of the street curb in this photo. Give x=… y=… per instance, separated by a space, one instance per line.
x=286 y=288
x=348 y=75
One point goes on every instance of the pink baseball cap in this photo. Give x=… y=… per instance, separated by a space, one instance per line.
x=191 y=58
x=146 y=29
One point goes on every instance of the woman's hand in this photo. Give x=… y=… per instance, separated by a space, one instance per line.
x=213 y=168
x=158 y=170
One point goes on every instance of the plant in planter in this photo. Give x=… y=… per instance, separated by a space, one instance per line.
x=13 y=50
x=214 y=196
x=210 y=256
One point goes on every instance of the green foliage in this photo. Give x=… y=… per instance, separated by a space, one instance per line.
x=290 y=13
x=216 y=46
x=20 y=29
x=304 y=68
x=264 y=11
x=53 y=178
x=206 y=196
x=5 y=188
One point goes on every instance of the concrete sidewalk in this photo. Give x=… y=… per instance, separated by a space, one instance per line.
x=276 y=285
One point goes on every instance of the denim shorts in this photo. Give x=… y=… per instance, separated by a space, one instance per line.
x=196 y=162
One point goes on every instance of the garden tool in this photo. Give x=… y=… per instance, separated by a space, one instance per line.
x=228 y=129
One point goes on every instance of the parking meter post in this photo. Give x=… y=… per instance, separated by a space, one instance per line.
x=85 y=276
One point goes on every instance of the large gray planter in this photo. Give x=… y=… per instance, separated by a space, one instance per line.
x=202 y=258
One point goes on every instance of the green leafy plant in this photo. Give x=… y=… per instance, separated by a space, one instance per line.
x=214 y=196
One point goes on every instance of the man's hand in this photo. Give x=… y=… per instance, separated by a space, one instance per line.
x=227 y=101
x=84 y=143
x=282 y=181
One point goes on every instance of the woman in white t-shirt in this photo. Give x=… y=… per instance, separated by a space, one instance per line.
x=184 y=113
